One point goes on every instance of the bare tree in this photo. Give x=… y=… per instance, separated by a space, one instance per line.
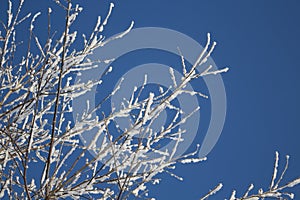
x=36 y=97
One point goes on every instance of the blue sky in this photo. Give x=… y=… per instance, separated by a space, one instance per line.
x=259 y=42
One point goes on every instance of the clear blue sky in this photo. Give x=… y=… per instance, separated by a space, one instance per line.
x=259 y=41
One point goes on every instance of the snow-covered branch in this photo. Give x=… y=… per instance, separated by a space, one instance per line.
x=276 y=190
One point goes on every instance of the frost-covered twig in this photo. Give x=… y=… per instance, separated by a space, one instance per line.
x=274 y=192
x=213 y=191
